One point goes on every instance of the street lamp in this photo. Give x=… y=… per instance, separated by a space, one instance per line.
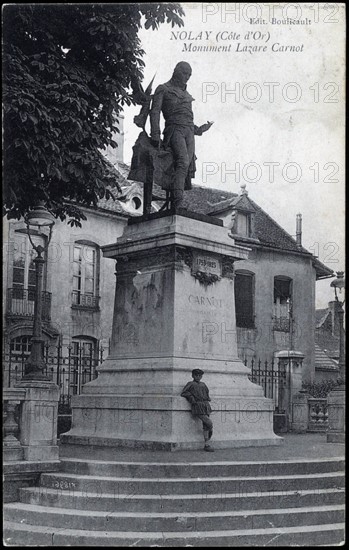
x=37 y=218
x=338 y=284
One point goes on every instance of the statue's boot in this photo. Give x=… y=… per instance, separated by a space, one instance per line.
x=178 y=195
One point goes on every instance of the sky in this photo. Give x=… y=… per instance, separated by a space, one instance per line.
x=275 y=91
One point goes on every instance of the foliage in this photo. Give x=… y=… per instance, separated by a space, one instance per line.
x=67 y=70
x=321 y=389
x=206 y=278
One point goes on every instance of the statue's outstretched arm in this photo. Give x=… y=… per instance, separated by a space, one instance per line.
x=199 y=130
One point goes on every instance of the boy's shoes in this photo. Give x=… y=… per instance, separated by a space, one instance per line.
x=209 y=449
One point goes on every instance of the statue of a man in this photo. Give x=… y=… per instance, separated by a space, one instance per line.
x=175 y=103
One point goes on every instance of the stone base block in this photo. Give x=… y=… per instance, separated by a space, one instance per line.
x=335 y=438
x=166 y=423
x=12 y=453
x=98 y=442
x=17 y=475
x=41 y=453
x=336 y=416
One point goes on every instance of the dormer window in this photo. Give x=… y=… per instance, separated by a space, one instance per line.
x=132 y=198
x=242 y=222
x=136 y=203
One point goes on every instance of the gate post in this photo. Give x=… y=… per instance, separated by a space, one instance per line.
x=292 y=361
x=300 y=412
x=38 y=422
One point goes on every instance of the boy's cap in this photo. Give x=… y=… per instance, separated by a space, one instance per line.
x=197 y=371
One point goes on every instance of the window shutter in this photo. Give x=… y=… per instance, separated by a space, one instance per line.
x=244 y=299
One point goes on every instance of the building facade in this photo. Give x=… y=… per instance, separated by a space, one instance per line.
x=274 y=288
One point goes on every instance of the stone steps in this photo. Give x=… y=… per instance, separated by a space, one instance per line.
x=199 y=469
x=44 y=496
x=170 y=521
x=120 y=503
x=286 y=536
x=181 y=485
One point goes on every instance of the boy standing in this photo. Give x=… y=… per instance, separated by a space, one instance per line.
x=197 y=393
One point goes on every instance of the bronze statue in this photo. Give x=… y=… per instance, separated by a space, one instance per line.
x=171 y=163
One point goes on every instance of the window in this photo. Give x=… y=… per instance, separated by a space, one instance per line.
x=21 y=345
x=15 y=359
x=136 y=203
x=244 y=299
x=21 y=296
x=282 y=303
x=243 y=224
x=85 y=276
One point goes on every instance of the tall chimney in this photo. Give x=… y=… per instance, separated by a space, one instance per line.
x=299 y=230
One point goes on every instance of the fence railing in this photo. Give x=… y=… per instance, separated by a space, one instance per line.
x=282 y=324
x=20 y=303
x=84 y=300
x=273 y=379
x=68 y=368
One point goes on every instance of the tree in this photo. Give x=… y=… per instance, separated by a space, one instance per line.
x=67 y=71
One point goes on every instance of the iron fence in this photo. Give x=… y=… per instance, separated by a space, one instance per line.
x=272 y=376
x=70 y=367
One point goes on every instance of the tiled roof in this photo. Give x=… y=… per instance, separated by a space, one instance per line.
x=204 y=199
x=110 y=204
x=207 y=200
x=323 y=361
x=123 y=169
x=269 y=233
x=240 y=202
x=327 y=342
x=320 y=314
x=120 y=173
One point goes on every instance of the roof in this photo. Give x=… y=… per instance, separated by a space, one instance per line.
x=320 y=315
x=327 y=342
x=110 y=204
x=322 y=271
x=210 y=201
x=204 y=199
x=119 y=172
x=323 y=361
x=266 y=230
x=269 y=233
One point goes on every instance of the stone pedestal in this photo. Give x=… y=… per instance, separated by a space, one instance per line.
x=336 y=415
x=300 y=412
x=38 y=422
x=174 y=311
x=12 y=449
